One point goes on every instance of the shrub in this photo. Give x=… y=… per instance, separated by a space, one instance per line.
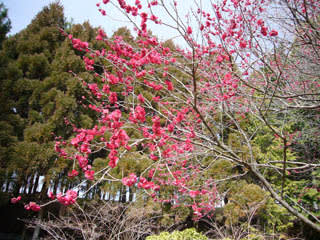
x=187 y=234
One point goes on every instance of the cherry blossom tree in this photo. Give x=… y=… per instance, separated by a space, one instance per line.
x=240 y=68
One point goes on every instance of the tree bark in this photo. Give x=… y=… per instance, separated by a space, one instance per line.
x=277 y=197
x=36 y=184
x=36 y=231
x=30 y=181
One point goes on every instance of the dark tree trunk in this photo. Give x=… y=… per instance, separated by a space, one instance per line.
x=36 y=184
x=103 y=194
x=55 y=186
x=18 y=184
x=130 y=195
x=44 y=190
x=123 y=195
x=36 y=231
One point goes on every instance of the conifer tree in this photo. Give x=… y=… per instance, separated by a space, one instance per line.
x=5 y=23
x=39 y=93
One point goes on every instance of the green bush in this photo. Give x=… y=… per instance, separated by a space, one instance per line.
x=188 y=234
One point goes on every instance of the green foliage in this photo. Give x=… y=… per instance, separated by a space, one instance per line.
x=253 y=236
x=276 y=217
x=40 y=93
x=245 y=200
x=34 y=66
x=5 y=23
x=188 y=234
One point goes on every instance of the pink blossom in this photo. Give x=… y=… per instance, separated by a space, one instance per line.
x=193 y=194
x=260 y=22
x=141 y=74
x=83 y=161
x=189 y=30
x=85 y=148
x=113 y=158
x=140 y=114
x=171 y=127
x=169 y=85
x=115 y=115
x=156 y=188
x=73 y=173
x=264 y=31
x=151 y=173
x=15 y=200
x=219 y=59
x=243 y=44
x=273 y=33
x=51 y=195
x=154 y=157
x=32 y=206
x=113 y=98
x=69 y=198
x=141 y=98
x=129 y=181
x=89 y=174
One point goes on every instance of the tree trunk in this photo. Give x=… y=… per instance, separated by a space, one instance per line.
x=18 y=185
x=55 y=186
x=283 y=202
x=44 y=190
x=36 y=231
x=36 y=184
x=30 y=181
x=7 y=183
x=130 y=194
x=123 y=195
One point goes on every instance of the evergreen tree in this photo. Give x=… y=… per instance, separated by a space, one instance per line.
x=5 y=23
x=38 y=93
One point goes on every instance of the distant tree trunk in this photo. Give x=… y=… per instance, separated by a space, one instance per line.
x=102 y=195
x=18 y=185
x=30 y=181
x=108 y=196
x=36 y=184
x=7 y=183
x=130 y=194
x=123 y=195
x=36 y=231
x=55 y=185
x=2 y=182
x=44 y=190
x=62 y=210
x=23 y=235
x=24 y=185
x=87 y=193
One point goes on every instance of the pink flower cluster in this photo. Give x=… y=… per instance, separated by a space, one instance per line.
x=15 y=200
x=129 y=181
x=89 y=174
x=32 y=206
x=67 y=199
x=78 y=44
x=138 y=114
x=73 y=173
x=144 y=183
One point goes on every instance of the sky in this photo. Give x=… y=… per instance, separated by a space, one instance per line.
x=21 y=13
